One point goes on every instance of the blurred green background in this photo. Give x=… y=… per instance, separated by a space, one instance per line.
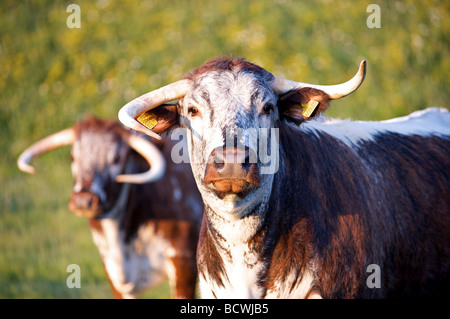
x=51 y=76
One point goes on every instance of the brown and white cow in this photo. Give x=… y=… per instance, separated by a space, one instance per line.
x=144 y=211
x=301 y=206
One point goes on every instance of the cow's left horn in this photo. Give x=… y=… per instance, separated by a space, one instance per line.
x=148 y=101
x=281 y=86
x=51 y=142
x=151 y=154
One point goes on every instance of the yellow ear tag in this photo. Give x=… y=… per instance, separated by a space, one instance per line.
x=148 y=120
x=309 y=108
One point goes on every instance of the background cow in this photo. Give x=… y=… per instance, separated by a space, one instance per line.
x=145 y=232
x=344 y=195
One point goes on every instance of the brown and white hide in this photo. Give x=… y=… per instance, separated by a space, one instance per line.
x=341 y=196
x=145 y=232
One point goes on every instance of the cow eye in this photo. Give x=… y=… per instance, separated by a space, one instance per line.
x=267 y=108
x=193 y=110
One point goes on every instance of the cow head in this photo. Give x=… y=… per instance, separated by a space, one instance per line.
x=101 y=152
x=230 y=109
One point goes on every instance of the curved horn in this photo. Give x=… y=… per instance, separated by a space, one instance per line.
x=148 y=101
x=152 y=155
x=281 y=86
x=51 y=142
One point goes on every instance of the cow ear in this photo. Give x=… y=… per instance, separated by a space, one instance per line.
x=161 y=118
x=302 y=104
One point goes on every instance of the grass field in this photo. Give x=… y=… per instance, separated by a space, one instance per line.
x=51 y=76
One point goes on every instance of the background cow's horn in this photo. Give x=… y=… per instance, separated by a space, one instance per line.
x=62 y=138
x=148 y=101
x=151 y=154
x=281 y=86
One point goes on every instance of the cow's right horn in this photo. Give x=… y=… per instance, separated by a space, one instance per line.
x=281 y=86
x=51 y=142
x=131 y=111
x=151 y=154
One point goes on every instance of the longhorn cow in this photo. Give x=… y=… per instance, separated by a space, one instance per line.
x=144 y=211
x=342 y=198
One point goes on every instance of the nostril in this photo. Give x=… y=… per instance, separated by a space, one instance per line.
x=219 y=166
x=89 y=202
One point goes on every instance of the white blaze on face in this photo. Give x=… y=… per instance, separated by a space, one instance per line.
x=97 y=158
x=229 y=108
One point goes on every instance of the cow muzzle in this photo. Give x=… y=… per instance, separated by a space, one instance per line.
x=232 y=171
x=85 y=204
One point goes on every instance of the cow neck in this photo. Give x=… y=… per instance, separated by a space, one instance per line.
x=226 y=228
x=253 y=244
x=119 y=206
x=228 y=255
x=117 y=212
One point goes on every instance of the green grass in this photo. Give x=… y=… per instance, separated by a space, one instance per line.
x=51 y=76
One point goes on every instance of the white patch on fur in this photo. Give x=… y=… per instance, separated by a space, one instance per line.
x=242 y=279
x=243 y=267
x=78 y=186
x=135 y=266
x=300 y=291
x=94 y=152
x=111 y=249
x=204 y=287
x=431 y=121
x=235 y=230
x=172 y=273
x=231 y=110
